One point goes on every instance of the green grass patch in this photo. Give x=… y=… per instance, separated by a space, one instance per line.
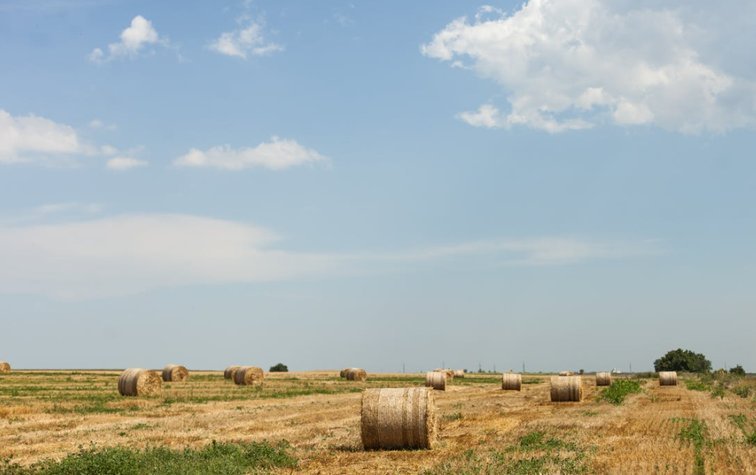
x=454 y=416
x=748 y=429
x=216 y=458
x=697 y=385
x=695 y=433
x=535 y=453
x=619 y=390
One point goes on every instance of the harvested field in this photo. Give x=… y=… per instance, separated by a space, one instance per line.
x=48 y=414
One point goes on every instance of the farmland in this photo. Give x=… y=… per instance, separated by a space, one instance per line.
x=687 y=428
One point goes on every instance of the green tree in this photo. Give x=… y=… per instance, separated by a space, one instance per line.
x=683 y=360
x=279 y=368
x=737 y=370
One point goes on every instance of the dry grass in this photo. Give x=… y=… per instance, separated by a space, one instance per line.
x=50 y=414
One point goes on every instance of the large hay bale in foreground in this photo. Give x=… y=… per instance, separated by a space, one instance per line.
x=667 y=378
x=603 y=379
x=435 y=380
x=228 y=373
x=249 y=375
x=398 y=418
x=5 y=367
x=459 y=373
x=356 y=374
x=175 y=373
x=566 y=388
x=139 y=382
x=511 y=381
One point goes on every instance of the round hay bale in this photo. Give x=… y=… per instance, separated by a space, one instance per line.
x=566 y=388
x=356 y=374
x=511 y=381
x=5 y=367
x=249 y=375
x=667 y=378
x=459 y=373
x=435 y=380
x=343 y=372
x=449 y=372
x=139 y=382
x=175 y=373
x=228 y=373
x=603 y=379
x=398 y=418
x=566 y=373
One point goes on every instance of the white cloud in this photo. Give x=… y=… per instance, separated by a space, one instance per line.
x=124 y=163
x=573 y=64
x=133 y=40
x=136 y=253
x=248 y=40
x=278 y=154
x=31 y=138
x=97 y=124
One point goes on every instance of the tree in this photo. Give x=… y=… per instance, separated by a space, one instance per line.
x=279 y=368
x=737 y=370
x=683 y=360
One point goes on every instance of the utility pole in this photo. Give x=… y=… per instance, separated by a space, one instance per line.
x=443 y=364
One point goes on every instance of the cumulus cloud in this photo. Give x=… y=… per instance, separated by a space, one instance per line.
x=133 y=40
x=124 y=163
x=248 y=40
x=278 y=154
x=30 y=138
x=121 y=255
x=574 y=64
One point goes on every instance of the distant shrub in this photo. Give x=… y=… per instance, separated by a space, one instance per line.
x=737 y=371
x=279 y=368
x=683 y=360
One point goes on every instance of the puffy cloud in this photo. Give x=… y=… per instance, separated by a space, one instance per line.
x=278 y=154
x=573 y=64
x=138 y=35
x=248 y=40
x=29 y=138
x=124 y=163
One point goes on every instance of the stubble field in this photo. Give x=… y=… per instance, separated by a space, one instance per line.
x=482 y=429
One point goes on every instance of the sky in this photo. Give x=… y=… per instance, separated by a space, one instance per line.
x=389 y=185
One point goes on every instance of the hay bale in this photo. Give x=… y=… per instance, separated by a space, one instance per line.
x=566 y=388
x=356 y=374
x=511 y=381
x=449 y=372
x=398 y=418
x=566 y=373
x=5 y=367
x=228 y=373
x=139 y=382
x=343 y=372
x=459 y=373
x=249 y=375
x=603 y=379
x=435 y=380
x=667 y=378
x=175 y=373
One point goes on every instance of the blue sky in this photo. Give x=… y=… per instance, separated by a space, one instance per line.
x=565 y=184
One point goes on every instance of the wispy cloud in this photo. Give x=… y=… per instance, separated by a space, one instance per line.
x=120 y=255
x=247 y=40
x=134 y=39
x=277 y=154
x=120 y=164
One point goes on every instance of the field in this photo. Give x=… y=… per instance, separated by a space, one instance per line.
x=690 y=428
